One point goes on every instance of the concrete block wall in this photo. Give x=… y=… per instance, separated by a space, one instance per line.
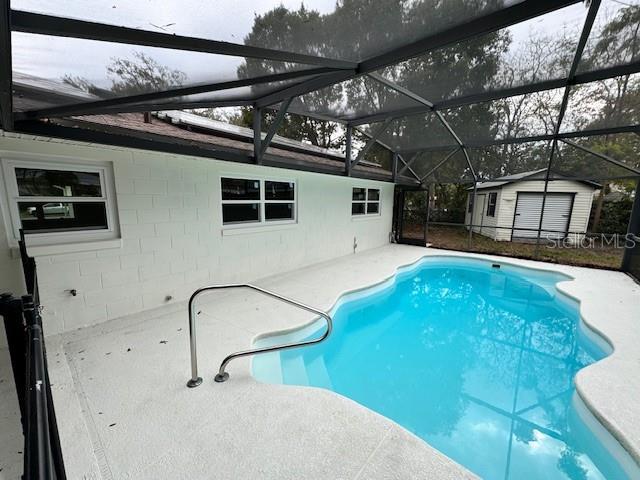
x=172 y=238
x=10 y=267
x=11 y=279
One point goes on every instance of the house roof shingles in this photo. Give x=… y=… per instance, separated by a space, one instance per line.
x=133 y=124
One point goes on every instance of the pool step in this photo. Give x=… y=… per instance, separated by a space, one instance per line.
x=294 y=370
x=317 y=371
x=268 y=368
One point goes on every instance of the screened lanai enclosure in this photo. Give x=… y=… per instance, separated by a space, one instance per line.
x=445 y=99
x=443 y=94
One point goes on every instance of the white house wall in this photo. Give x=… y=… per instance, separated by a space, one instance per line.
x=10 y=273
x=172 y=237
x=10 y=268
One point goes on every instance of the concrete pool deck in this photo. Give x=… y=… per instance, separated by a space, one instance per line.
x=125 y=413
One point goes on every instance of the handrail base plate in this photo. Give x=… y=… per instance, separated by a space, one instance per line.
x=194 y=383
x=221 y=377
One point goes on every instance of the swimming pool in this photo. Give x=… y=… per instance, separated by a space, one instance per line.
x=476 y=359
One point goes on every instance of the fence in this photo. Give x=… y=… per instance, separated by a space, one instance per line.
x=631 y=260
x=23 y=326
x=445 y=227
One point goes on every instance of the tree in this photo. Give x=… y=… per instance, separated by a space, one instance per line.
x=297 y=127
x=361 y=25
x=542 y=58
x=84 y=85
x=615 y=101
x=141 y=74
x=609 y=103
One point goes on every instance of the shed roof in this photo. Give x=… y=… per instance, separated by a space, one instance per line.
x=531 y=175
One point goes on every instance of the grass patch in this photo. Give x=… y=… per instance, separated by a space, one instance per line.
x=456 y=238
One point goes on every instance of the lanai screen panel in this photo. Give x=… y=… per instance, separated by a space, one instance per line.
x=442 y=166
x=533 y=51
x=531 y=115
x=500 y=87
x=341 y=30
x=107 y=70
x=496 y=161
x=609 y=103
x=414 y=133
x=538 y=53
x=351 y=99
x=237 y=95
x=573 y=162
x=614 y=36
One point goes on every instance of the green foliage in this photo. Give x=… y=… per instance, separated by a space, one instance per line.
x=607 y=103
x=448 y=202
x=619 y=42
x=296 y=127
x=377 y=154
x=341 y=33
x=615 y=217
x=279 y=29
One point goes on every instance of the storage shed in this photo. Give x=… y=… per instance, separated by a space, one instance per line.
x=508 y=208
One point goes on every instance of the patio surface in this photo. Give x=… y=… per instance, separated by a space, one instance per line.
x=125 y=413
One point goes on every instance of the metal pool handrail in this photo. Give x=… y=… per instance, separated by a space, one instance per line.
x=222 y=375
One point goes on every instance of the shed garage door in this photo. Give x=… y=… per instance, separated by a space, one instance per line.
x=557 y=213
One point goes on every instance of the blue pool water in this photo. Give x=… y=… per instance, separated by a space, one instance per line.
x=477 y=361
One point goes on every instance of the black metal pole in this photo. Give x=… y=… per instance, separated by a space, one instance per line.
x=633 y=232
x=6 y=85
x=23 y=326
x=554 y=146
x=347 y=150
x=401 y=215
x=257 y=135
x=473 y=210
x=426 y=223
x=394 y=168
x=38 y=461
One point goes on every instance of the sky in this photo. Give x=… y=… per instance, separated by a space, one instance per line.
x=226 y=20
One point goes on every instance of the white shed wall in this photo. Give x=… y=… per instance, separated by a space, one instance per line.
x=172 y=237
x=506 y=204
x=579 y=213
x=488 y=223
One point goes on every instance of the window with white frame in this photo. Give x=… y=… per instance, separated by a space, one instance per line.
x=60 y=202
x=365 y=201
x=256 y=201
